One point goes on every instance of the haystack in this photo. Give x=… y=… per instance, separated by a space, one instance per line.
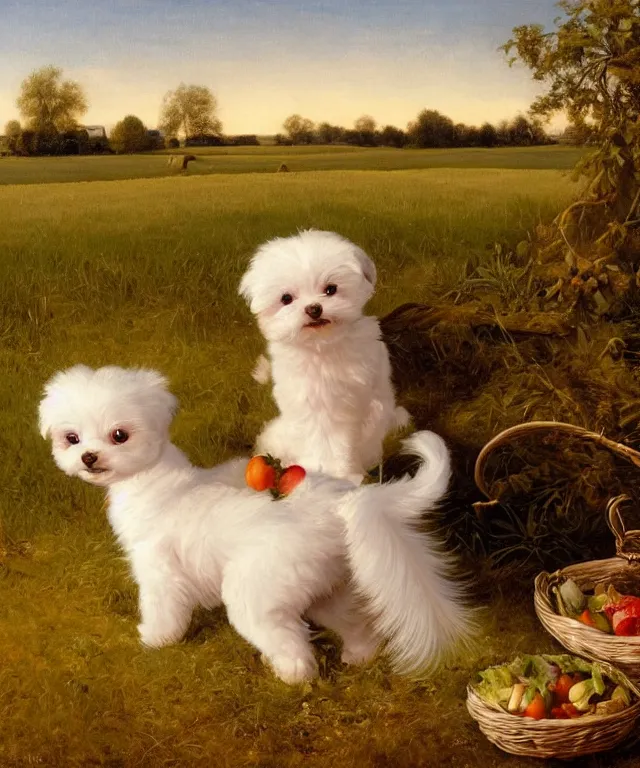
x=180 y=162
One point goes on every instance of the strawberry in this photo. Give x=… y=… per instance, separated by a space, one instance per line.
x=290 y=479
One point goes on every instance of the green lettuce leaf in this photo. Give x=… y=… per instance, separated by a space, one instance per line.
x=496 y=684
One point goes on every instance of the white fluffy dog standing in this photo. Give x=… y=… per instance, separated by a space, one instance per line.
x=330 y=369
x=349 y=558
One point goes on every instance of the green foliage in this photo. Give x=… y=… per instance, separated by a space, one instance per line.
x=590 y=67
x=50 y=104
x=129 y=136
x=299 y=129
x=431 y=129
x=190 y=111
x=12 y=131
x=488 y=135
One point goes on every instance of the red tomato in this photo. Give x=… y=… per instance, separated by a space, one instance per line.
x=536 y=708
x=626 y=626
x=571 y=710
x=557 y=713
x=561 y=688
x=290 y=478
x=626 y=617
x=260 y=475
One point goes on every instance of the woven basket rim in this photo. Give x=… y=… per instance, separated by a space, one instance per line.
x=542 y=598
x=621 y=652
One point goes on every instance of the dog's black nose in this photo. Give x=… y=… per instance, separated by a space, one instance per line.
x=313 y=310
x=89 y=458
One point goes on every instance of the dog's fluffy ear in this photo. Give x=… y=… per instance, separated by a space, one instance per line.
x=54 y=393
x=145 y=385
x=158 y=387
x=367 y=267
x=244 y=288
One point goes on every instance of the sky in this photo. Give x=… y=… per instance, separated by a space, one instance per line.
x=332 y=60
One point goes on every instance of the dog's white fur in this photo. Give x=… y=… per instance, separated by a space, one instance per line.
x=348 y=558
x=332 y=384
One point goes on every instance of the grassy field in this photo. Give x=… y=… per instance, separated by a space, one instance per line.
x=267 y=159
x=145 y=273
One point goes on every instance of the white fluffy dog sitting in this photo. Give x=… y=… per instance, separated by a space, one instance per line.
x=330 y=369
x=348 y=558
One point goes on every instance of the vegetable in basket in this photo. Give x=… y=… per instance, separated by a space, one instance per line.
x=606 y=610
x=559 y=687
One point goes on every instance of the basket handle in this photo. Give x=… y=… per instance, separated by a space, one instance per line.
x=627 y=542
x=547 y=426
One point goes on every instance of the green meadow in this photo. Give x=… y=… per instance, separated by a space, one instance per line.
x=145 y=272
x=266 y=159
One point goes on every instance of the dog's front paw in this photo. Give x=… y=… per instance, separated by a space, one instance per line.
x=155 y=637
x=294 y=670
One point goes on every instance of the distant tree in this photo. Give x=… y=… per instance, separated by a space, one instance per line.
x=465 y=135
x=365 y=126
x=189 y=111
x=431 y=129
x=520 y=133
x=488 y=135
x=503 y=133
x=351 y=137
x=50 y=104
x=12 y=131
x=538 y=133
x=129 y=135
x=390 y=136
x=243 y=140
x=460 y=135
x=299 y=129
x=329 y=134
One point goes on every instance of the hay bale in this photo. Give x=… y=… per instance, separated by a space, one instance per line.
x=180 y=162
x=282 y=169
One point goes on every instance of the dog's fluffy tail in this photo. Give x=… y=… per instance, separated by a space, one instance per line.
x=402 y=573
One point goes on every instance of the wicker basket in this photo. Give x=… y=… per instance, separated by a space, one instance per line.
x=623 y=570
x=564 y=739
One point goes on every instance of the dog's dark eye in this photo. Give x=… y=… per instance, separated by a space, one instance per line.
x=286 y=298
x=72 y=438
x=331 y=289
x=119 y=436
